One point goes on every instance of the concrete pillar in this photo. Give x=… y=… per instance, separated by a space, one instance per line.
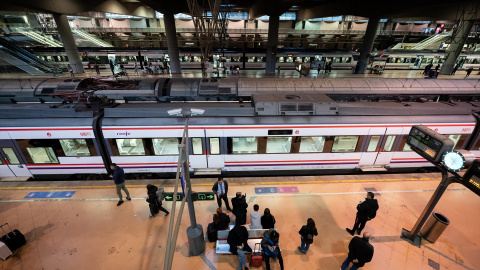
x=458 y=40
x=272 y=44
x=68 y=42
x=172 y=44
x=367 y=44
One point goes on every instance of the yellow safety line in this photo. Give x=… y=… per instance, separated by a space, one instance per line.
x=234 y=184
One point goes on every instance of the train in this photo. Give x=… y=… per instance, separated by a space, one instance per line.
x=286 y=58
x=162 y=89
x=273 y=134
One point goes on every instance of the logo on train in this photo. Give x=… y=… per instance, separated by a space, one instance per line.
x=49 y=134
x=466 y=129
x=297 y=131
x=126 y=133
x=85 y=134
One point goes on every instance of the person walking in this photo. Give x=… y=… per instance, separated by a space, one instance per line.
x=240 y=206
x=469 y=71
x=255 y=218
x=135 y=67
x=220 y=188
x=267 y=220
x=237 y=239
x=70 y=70
x=97 y=69
x=119 y=179
x=437 y=67
x=307 y=232
x=454 y=70
x=366 y=211
x=271 y=249
x=153 y=201
x=112 y=67
x=360 y=251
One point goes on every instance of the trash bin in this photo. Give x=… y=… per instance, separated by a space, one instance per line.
x=434 y=227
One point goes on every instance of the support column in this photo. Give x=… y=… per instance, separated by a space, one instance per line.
x=172 y=44
x=456 y=47
x=272 y=44
x=367 y=44
x=68 y=42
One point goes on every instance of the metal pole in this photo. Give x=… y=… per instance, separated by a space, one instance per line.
x=431 y=204
x=175 y=235
x=191 y=208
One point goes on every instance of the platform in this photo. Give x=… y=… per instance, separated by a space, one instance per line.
x=88 y=231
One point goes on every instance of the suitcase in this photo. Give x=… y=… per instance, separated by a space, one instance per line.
x=257 y=258
x=14 y=239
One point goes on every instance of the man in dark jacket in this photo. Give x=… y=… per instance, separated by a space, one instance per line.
x=240 y=206
x=360 y=251
x=237 y=239
x=119 y=179
x=365 y=211
x=220 y=188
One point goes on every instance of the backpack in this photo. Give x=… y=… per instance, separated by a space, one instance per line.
x=212 y=232
x=308 y=238
x=269 y=252
x=372 y=213
x=160 y=194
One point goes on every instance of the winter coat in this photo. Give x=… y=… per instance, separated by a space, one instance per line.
x=361 y=250
x=236 y=237
x=365 y=208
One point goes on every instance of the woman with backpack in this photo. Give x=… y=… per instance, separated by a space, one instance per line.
x=267 y=220
x=153 y=201
x=270 y=248
x=307 y=233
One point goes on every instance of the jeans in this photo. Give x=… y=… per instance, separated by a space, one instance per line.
x=304 y=245
x=119 y=191
x=280 y=260
x=242 y=262
x=346 y=263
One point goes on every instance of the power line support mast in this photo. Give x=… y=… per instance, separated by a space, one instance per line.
x=206 y=26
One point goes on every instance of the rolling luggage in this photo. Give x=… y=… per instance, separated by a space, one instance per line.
x=13 y=239
x=257 y=258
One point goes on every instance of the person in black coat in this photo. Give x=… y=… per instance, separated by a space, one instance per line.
x=240 y=206
x=307 y=232
x=267 y=220
x=365 y=211
x=220 y=188
x=360 y=251
x=153 y=202
x=221 y=220
x=237 y=239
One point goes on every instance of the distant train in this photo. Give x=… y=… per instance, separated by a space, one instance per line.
x=395 y=59
x=275 y=134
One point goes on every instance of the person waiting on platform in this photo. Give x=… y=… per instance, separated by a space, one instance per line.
x=360 y=251
x=366 y=211
x=271 y=248
x=239 y=205
x=268 y=221
x=221 y=220
x=255 y=218
x=237 y=239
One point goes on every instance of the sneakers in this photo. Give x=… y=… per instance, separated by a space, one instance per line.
x=128 y=198
x=151 y=216
x=119 y=203
x=166 y=214
x=301 y=250
x=351 y=232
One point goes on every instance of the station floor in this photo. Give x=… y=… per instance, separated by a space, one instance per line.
x=89 y=231
x=196 y=73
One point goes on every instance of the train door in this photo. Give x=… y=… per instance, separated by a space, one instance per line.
x=371 y=148
x=12 y=157
x=197 y=153
x=418 y=62
x=215 y=158
x=385 y=148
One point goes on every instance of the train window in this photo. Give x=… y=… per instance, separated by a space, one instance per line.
x=166 y=146
x=280 y=59
x=260 y=58
x=389 y=143
x=11 y=157
x=276 y=145
x=242 y=145
x=312 y=144
x=214 y=146
x=373 y=144
x=42 y=154
x=130 y=147
x=251 y=59
x=197 y=146
x=347 y=60
x=458 y=139
x=75 y=147
x=344 y=144
x=403 y=145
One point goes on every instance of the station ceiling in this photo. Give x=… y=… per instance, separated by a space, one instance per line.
x=306 y=9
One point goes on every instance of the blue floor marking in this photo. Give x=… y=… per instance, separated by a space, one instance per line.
x=48 y=195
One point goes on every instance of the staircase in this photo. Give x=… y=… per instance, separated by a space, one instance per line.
x=23 y=59
x=38 y=36
x=92 y=38
x=432 y=43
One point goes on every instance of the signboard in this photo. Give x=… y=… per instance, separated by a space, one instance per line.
x=169 y=197
x=203 y=196
x=49 y=195
x=471 y=179
x=428 y=143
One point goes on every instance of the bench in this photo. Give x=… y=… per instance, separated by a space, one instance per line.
x=254 y=236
